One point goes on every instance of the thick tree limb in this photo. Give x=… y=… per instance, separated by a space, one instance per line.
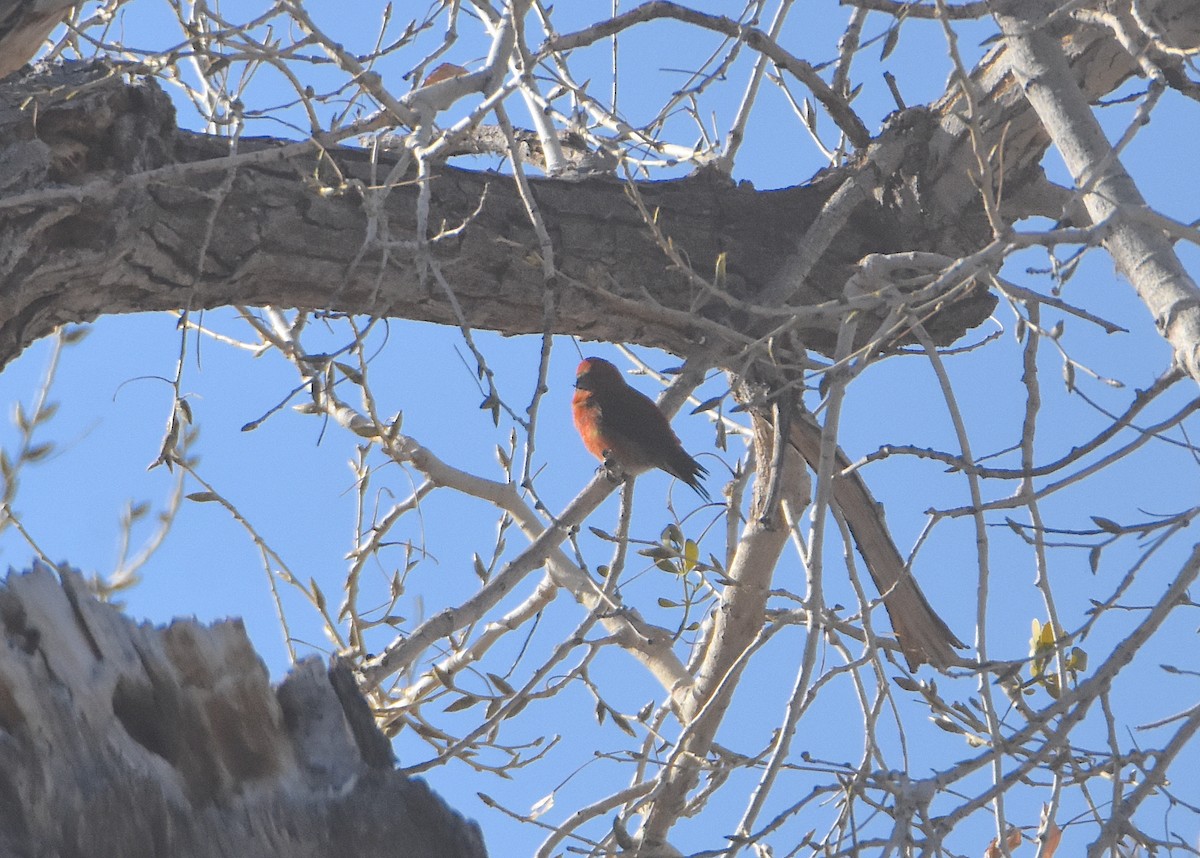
x=104 y=198
x=1143 y=253
x=736 y=625
x=923 y=635
x=104 y=203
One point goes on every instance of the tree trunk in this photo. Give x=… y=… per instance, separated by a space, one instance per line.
x=127 y=740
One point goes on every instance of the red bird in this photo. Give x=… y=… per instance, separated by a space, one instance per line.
x=623 y=427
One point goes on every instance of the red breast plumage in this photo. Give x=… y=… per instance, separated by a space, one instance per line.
x=622 y=426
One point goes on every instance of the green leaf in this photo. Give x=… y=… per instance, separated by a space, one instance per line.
x=500 y=683
x=620 y=721
x=658 y=552
x=46 y=413
x=350 y=372
x=948 y=725
x=889 y=43
x=37 y=452
x=464 y=702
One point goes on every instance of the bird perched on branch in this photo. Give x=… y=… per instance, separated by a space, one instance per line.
x=623 y=428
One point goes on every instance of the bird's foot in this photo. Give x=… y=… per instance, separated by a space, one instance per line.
x=613 y=472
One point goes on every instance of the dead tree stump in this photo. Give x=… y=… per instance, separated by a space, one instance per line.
x=125 y=739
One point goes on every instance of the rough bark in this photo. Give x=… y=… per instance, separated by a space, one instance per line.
x=108 y=208
x=118 y=739
x=24 y=25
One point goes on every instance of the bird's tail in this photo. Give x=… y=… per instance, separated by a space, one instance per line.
x=686 y=469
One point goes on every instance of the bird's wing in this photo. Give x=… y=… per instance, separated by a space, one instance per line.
x=642 y=437
x=634 y=422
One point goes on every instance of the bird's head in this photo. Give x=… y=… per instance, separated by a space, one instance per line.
x=597 y=374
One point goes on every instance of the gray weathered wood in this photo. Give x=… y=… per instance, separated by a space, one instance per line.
x=24 y=26
x=125 y=740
